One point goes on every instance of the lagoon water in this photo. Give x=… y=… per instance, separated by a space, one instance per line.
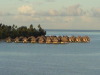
x=52 y=59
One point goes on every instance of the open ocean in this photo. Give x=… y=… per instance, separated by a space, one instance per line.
x=52 y=59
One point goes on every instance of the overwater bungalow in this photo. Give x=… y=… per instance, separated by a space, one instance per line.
x=59 y=38
x=79 y=39
x=88 y=39
x=55 y=40
x=41 y=39
x=32 y=39
x=25 y=40
x=64 y=39
x=85 y=39
x=9 y=39
x=52 y=37
x=16 y=40
x=72 y=39
x=48 y=40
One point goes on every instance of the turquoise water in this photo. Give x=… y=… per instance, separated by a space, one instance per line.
x=52 y=59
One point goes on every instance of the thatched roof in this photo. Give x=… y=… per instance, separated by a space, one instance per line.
x=9 y=39
x=31 y=38
x=48 y=39
x=55 y=39
x=25 y=38
x=79 y=39
x=16 y=39
x=72 y=39
x=85 y=39
x=41 y=40
x=64 y=39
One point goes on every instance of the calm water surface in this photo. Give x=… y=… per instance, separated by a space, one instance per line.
x=52 y=59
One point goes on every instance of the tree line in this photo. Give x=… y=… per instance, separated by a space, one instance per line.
x=14 y=31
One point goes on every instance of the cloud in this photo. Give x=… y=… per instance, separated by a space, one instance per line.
x=73 y=10
x=52 y=15
x=68 y=19
x=53 y=12
x=69 y=15
x=6 y=14
x=50 y=12
x=26 y=10
x=95 y=12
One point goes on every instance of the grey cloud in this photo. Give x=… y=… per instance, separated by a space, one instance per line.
x=7 y=14
x=10 y=14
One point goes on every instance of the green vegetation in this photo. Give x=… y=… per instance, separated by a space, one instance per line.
x=14 y=31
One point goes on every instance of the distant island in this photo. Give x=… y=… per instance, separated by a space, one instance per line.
x=30 y=34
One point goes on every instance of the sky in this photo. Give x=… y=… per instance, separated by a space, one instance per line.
x=52 y=14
